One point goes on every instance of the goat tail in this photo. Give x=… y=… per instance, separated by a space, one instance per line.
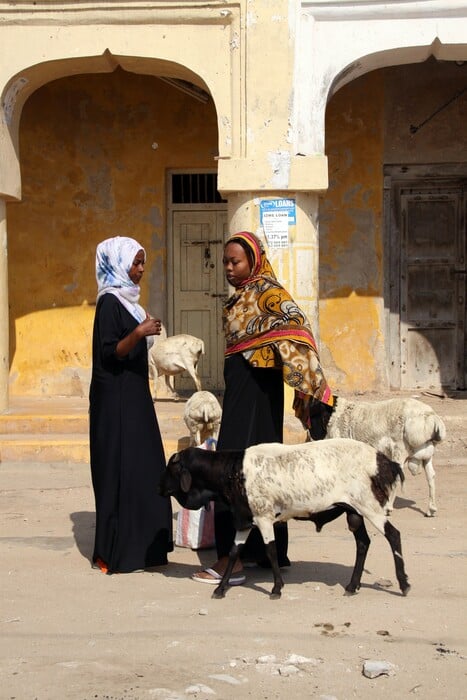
x=388 y=475
x=424 y=428
x=399 y=473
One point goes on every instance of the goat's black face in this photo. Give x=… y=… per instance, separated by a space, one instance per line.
x=177 y=481
x=320 y=414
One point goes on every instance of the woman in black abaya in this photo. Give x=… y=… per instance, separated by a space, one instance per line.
x=133 y=523
x=268 y=342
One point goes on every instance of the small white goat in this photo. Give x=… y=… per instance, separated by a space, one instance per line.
x=202 y=416
x=271 y=483
x=406 y=430
x=174 y=355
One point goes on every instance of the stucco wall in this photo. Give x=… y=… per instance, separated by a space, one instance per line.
x=94 y=152
x=350 y=238
x=368 y=126
x=431 y=97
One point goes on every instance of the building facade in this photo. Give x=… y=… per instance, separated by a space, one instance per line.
x=334 y=129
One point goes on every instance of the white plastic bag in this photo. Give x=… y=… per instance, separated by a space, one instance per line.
x=195 y=528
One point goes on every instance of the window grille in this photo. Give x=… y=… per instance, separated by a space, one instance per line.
x=195 y=188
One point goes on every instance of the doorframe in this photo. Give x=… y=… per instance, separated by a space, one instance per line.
x=171 y=208
x=395 y=178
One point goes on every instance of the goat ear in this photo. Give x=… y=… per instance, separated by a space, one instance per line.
x=185 y=480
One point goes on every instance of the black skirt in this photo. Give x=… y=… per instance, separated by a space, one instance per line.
x=133 y=523
x=252 y=413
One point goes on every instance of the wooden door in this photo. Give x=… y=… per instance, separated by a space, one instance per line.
x=432 y=286
x=199 y=289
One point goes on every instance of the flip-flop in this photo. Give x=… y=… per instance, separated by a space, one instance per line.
x=235 y=580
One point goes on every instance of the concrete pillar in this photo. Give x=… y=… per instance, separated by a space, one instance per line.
x=4 y=315
x=296 y=266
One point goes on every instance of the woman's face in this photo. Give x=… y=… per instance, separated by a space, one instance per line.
x=237 y=267
x=136 y=270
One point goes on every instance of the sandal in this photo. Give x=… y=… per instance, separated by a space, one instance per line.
x=216 y=578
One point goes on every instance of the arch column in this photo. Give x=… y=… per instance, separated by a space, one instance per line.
x=4 y=315
x=297 y=265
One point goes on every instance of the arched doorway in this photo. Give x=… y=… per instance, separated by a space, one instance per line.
x=95 y=149
x=392 y=274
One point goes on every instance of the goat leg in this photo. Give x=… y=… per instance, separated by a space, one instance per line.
x=271 y=551
x=356 y=525
x=192 y=371
x=430 y=477
x=241 y=537
x=393 y=536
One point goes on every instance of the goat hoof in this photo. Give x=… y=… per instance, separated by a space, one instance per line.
x=430 y=513
x=350 y=591
x=275 y=596
x=405 y=590
x=218 y=593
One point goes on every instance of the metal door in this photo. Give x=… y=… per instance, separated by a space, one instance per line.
x=432 y=287
x=199 y=289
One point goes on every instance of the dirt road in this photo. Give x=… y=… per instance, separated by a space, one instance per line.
x=68 y=631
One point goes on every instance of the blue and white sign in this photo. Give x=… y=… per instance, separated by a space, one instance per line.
x=276 y=217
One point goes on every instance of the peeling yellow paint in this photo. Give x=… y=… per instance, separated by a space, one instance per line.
x=347 y=324
x=351 y=265
x=53 y=352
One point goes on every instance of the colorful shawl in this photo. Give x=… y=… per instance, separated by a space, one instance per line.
x=262 y=321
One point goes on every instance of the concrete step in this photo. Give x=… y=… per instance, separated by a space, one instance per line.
x=55 y=447
x=55 y=429
x=25 y=424
x=37 y=429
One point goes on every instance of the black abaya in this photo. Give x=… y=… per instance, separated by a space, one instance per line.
x=133 y=523
x=252 y=413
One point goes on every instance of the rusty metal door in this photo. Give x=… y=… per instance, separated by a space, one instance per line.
x=432 y=287
x=199 y=289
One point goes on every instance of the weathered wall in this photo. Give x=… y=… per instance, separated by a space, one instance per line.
x=94 y=152
x=368 y=126
x=424 y=96
x=350 y=238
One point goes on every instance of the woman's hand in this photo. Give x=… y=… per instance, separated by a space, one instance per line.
x=150 y=326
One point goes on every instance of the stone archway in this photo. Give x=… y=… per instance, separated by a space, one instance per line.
x=94 y=149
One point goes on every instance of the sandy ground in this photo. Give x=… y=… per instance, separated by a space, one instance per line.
x=68 y=631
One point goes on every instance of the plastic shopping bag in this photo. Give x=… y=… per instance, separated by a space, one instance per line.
x=195 y=528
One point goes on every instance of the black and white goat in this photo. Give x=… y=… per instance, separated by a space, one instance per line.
x=271 y=483
x=404 y=429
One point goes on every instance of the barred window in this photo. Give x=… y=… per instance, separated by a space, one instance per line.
x=195 y=188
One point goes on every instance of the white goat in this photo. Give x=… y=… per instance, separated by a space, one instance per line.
x=271 y=483
x=404 y=429
x=202 y=416
x=174 y=355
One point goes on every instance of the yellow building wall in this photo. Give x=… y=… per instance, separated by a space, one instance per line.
x=94 y=152
x=351 y=256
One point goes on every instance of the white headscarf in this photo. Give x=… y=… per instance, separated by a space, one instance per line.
x=114 y=258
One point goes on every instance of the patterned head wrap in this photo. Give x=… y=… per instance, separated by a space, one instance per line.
x=262 y=321
x=114 y=258
x=261 y=265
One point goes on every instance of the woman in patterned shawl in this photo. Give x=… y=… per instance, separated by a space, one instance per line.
x=268 y=342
